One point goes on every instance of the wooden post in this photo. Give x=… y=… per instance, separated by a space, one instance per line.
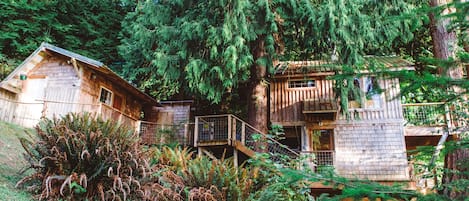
x=448 y=120
x=235 y=157
x=243 y=133
x=196 y=131
x=199 y=151
x=186 y=133
x=138 y=123
x=44 y=109
x=230 y=131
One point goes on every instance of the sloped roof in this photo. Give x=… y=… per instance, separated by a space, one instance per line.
x=324 y=66
x=35 y=58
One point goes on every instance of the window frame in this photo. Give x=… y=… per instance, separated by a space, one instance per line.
x=301 y=80
x=111 y=98
x=378 y=105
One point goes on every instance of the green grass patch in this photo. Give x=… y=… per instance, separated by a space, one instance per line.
x=12 y=161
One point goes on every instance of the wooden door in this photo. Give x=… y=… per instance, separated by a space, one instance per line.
x=30 y=104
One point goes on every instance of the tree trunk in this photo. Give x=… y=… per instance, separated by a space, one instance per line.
x=257 y=95
x=457 y=164
x=444 y=47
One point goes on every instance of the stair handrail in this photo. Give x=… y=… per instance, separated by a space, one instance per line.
x=264 y=135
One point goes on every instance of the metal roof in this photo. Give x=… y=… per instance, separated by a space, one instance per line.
x=67 y=53
x=317 y=66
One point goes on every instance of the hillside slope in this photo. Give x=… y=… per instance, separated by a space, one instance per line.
x=11 y=161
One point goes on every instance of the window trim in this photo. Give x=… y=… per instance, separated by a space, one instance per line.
x=108 y=90
x=301 y=87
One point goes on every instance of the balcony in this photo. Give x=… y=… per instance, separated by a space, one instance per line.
x=216 y=130
x=423 y=119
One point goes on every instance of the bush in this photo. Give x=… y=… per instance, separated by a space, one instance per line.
x=83 y=157
x=188 y=178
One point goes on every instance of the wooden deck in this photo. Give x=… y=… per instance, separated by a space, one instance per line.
x=229 y=130
x=427 y=119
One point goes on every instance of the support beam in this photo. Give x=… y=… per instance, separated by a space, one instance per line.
x=235 y=157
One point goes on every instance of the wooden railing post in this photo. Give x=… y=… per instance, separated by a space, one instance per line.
x=230 y=129
x=243 y=133
x=196 y=131
x=186 y=134
x=138 y=123
x=448 y=119
x=44 y=109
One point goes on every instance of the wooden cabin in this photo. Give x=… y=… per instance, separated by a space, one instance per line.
x=369 y=144
x=53 y=81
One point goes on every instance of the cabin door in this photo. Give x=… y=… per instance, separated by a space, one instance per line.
x=60 y=101
x=30 y=105
x=322 y=146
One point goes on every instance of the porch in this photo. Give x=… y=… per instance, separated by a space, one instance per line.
x=229 y=130
x=429 y=119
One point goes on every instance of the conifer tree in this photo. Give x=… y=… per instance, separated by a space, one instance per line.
x=87 y=27
x=215 y=46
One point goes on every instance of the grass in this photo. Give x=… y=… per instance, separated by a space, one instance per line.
x=12 y=162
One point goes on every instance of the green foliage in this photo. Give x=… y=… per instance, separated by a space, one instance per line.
x=88 y=27
x=12 y=162
x=96 y=159
x=212 y=47
x=187 y=178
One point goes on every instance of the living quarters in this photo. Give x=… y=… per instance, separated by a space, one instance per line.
x=366 y=141
x=53 y=81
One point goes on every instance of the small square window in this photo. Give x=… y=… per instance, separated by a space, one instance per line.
x=106 y=96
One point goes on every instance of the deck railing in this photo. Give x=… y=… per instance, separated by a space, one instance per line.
x=229 y=129
x=320 y=161
x=157 y=134
x=426 y=114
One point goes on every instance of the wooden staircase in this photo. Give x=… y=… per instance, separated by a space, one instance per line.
x=229 y=130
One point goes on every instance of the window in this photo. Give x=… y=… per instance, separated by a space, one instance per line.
x=106 y=96
x=372 y=92
x=366 y=93
x=322 y=140
x=301 y=83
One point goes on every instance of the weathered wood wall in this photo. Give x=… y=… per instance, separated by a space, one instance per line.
x=7 y=106
x=286 y=103
x=60 y=90
x=92 y=81
x=54 y=87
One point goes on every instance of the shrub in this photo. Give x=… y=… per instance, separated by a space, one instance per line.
x=83 y=157
x=201 y=178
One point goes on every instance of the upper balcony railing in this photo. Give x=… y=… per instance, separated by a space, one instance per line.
x=230 y=130
x=426 y=114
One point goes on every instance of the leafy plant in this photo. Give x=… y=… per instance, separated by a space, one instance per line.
x=201 y=178
x=96 y=159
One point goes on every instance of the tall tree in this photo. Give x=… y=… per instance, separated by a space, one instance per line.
x=215 y=46
x=445 y=44
x=84 y=26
